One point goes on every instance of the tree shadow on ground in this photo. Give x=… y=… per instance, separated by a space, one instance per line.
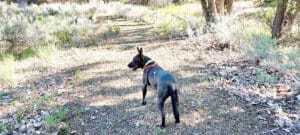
x=216 y=113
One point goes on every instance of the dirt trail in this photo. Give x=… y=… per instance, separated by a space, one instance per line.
x=111 y=93
x=97 y=82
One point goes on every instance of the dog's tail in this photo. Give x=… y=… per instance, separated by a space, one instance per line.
x=174 y=95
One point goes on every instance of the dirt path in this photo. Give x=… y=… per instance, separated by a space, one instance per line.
x=111 y=93
x=97 y=82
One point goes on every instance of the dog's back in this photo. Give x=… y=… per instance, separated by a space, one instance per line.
x=158 y=76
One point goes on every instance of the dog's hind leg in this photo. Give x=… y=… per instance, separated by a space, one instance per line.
x=144 y=94
x=160 y=103
x=175 y=104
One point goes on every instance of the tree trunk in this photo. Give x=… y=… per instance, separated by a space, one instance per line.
x=228 y=4
x=212 y=11
x=278 y=19
x=205 y=10
x=220 y=7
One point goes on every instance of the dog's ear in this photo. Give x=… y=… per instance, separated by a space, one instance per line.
x=140 y=50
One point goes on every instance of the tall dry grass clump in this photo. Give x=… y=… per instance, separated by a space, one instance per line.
x=254 y=40
x=39 y=30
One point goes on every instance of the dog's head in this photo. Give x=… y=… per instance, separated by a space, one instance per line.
x=137 y=60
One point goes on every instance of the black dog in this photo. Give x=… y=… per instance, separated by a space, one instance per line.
x=161 y=80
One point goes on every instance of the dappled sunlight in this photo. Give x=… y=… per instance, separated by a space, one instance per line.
x=106 y=101
x=194 y=118
x=237 y=109
x=72 y=75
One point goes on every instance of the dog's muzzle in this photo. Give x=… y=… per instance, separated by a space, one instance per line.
x=132 y=66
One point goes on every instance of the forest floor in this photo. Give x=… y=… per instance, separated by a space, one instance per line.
x=219 y=90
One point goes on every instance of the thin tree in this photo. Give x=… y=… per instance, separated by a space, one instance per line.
x=212 y=9
x=220 y=6
x=209 y=11
x=228 y=4
x=278 y=19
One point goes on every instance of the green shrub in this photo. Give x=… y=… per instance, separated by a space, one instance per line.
x=41 y=17
x=65 y=38
x=6 y=127
x=79 y=111
x=55 y=118
x=51 y=11
x=1 y=55
x=82 y=1
x=266 y=17
x=157 y=131
x=266 y=3
x=263 y=46
x=47 y=99
x=15 y=33
x=113 y=30
x=182 y=25
x=253 y=39
x=28 y=52
x=68 y=13
x=263 y=78
x=91 y=13
x=8 y=2
x=293 y=57
x=21 y=113
x=167 y=29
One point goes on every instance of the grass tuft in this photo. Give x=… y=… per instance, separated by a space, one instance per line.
x=55 y=119
x=7 y=69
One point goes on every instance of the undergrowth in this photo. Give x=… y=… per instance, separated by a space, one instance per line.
x=56 y=119
x=254 y=40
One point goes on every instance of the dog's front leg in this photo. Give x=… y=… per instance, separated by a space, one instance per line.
x=144 y=94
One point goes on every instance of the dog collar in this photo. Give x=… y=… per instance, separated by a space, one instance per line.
x=147 y=66
x=148 y=62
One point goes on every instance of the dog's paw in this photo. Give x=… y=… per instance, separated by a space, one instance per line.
x=177 y=120
x=144 y=103
x=160 y=126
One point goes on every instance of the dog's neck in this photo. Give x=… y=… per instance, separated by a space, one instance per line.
x=148 y=63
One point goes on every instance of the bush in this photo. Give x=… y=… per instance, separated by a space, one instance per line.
x=261 y=77
x=55 y=118
x=28 y=52
x=167 y=29
x=262 y=47
x=266 y=17
x=293 y=57
x=113 y=30
x=91 y=13
x=15 y=33
x=65 y=38
x=253 y=39
x=51 y=11
x=267 y=3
